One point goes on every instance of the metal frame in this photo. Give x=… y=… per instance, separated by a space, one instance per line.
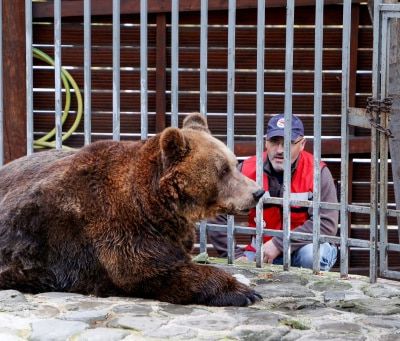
x=387 y=12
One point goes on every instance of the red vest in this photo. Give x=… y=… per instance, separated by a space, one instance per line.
x=302 y=184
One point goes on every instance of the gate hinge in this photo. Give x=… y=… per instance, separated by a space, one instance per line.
x=379 y=106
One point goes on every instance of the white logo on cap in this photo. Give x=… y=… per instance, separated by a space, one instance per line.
x=281 y=123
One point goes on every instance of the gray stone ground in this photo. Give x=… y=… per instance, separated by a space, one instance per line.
x=297 y=305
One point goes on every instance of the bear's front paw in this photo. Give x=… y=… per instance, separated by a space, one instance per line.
x=240 y=296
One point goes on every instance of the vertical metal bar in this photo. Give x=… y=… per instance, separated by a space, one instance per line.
x=260 y=126
x=231 y=111
x=383 y=171
x=374 y=144
x=288 y=132
x=57 y=71
x=174 y=62
x=143 y=70
x=319 y=21
x=231 y=74
x=87 y=70
x=230 y=238
x=376 y=49
x=344 y=169
x=203 y=56
x=203 y=93
x=203 y=236
x=1 y=88
x=116 y=70
x=29 y=77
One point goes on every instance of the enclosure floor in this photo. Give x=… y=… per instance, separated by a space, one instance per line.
x=297 y=305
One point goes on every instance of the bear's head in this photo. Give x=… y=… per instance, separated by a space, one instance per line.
x=200 y=173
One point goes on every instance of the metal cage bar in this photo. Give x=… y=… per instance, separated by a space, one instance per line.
x=29 y=78
x=231 y=113
x=87 y=71
x=287 y=132
x=203 y=93
x=57 y=72
x=1 y=89
x=143 y=71
x=116 y=70
x=383 y=152
x=260 y=126
x=319 y=21
x=374 y=146
x=344 y=171
x=174 y=62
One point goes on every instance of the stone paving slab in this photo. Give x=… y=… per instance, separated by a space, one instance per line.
x=297 y=305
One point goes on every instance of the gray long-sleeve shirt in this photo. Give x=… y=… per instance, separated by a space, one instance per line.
x=328 y=218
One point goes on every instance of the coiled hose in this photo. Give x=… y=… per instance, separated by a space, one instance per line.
x=67 y=81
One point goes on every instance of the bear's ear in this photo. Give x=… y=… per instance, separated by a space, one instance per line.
x=195 y=121
x=173 y=145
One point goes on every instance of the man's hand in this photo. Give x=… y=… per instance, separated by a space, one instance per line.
x=242 y=259
x=270 y=252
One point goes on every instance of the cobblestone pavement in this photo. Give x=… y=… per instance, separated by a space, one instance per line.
x=297 y=305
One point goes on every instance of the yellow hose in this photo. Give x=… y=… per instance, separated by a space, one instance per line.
x=67 y=80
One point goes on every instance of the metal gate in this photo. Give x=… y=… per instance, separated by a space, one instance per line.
x=386 y=94
x=376 y=117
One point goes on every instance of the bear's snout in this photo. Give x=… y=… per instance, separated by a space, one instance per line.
x=258 y=194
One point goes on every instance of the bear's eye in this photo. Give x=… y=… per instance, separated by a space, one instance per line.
x=223 y=171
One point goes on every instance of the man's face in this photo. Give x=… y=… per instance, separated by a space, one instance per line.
x=274 y=147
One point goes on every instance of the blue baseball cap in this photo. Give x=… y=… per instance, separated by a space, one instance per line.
x=276 y=126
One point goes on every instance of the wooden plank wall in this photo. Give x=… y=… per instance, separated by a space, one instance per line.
x=14 y=85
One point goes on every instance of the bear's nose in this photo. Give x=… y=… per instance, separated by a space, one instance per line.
x=258 y=194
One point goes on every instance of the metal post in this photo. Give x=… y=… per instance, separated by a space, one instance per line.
x=87 y=70
x=174 y=62
x=288 y=133
x=383 y=170
x=203 y=56
x=374 y=145
x=231 y=111
x=143 y=70
x=394 y=92
x=29 y=77
x=116 y=71
x=1 y=88
x=260 y=126
x=319 y=20
x=57 y=71
x=203 y=94
x=344 y=170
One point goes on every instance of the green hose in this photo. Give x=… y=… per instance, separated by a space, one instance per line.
x=67 y=80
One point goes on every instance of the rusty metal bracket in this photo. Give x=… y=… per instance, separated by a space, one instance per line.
x=375 y=106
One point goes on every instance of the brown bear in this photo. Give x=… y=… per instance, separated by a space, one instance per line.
x=118 y=218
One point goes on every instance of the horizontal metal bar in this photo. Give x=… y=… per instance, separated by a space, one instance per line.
x=302 y=203
x=393 y=247
x=359 y=209
x=393 y=213
x=390 y=7
x=293 y=235
x=390 y=15
x=358 y=117
x=391 y=274
x=73 y=8
x=330 y=239
x=325 y=205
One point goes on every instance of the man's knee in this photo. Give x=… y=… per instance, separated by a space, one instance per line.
x=328 y=256
x=304 y=256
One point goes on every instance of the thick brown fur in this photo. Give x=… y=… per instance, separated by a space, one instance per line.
x=117 y=218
